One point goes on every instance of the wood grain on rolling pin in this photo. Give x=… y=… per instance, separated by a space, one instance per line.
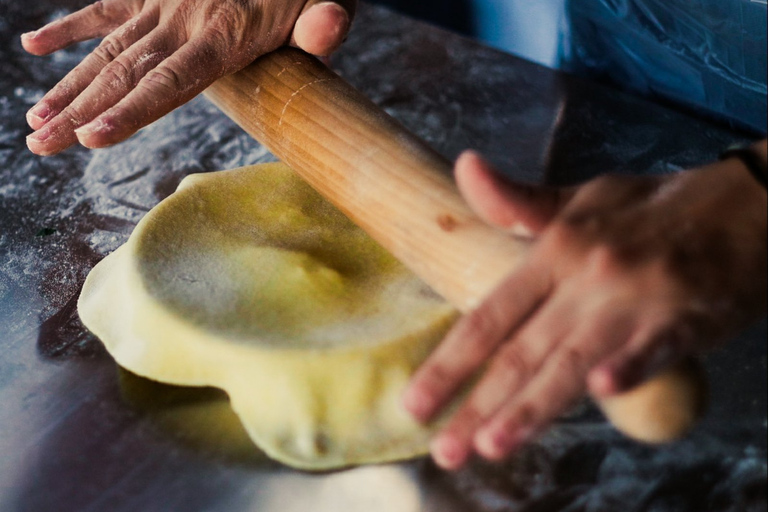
x=398 y=190
x=390 y=183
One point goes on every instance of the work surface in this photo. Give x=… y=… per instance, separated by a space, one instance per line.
x=76 y=434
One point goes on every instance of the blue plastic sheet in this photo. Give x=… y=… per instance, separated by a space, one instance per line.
x=707 y=54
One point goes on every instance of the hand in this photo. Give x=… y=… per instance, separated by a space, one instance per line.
x=625 y=276
x=158 y=54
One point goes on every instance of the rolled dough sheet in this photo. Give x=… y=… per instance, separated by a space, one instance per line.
x=249 y=281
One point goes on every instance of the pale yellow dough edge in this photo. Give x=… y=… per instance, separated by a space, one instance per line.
x=313 y=408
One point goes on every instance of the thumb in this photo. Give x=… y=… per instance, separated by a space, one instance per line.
x=323 y=25
x=524 y=210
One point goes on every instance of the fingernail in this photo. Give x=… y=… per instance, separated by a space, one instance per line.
x=332 y=9
x=321 y=32
x=40 y=135
x=448 y=452
x=519 y=230
x=601 y=382
x=472 y=158
x=417 y=404
x=497 y=444
x=30 y=35
x=330 y=5
x=41 y=111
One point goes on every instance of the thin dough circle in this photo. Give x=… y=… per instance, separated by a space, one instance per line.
x=247 y=280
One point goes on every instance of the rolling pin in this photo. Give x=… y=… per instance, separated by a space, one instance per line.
x=400 y=191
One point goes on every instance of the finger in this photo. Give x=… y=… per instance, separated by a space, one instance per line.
x=514 y=364
x=651 y=349
x=323 y=26
x=560 y=382
x=95 y=20
x=473 y=339
x=113 y=83
x=521 y=209
x=175 y=81
x=58 y=98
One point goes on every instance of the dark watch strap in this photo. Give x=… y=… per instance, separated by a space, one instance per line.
x=751 y=159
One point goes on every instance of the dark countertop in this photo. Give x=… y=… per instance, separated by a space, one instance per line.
x=76 y=434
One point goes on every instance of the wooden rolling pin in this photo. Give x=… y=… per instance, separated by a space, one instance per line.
x=400 y=191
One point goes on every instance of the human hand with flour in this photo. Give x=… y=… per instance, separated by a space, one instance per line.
x=158 y=54
x=626 y=275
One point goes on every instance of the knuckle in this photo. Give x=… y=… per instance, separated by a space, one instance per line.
x=112 y=13
x=523 y=416
x=571 y=362
x=513 y=360
x=109 y=49
x=479 y=323
x=476 y=343
x=126 y=9
x=75 y=115
x=165 y=79
x=121 y=117
x=63 y=91
x=216 y=66
x=98 y=9
x=231 y=20
x=527 y=413
x=604 y=260
x=117 y=74
x=469 y=417
x=136 y=6
x=222 y=37
x=585 y=220
x=562 y=233
x=477 y=333
x=438 y=376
